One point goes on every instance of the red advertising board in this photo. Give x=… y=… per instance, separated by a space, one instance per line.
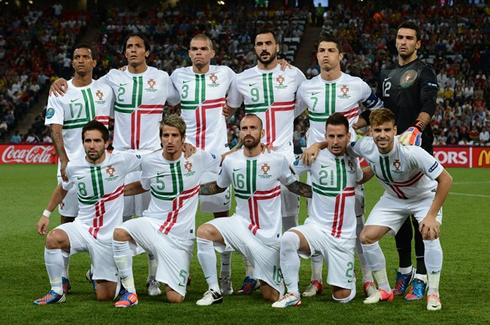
x=448 y=156
x=28 y=154
x=463 y=156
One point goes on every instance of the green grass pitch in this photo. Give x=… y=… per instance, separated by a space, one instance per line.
x=25 y=190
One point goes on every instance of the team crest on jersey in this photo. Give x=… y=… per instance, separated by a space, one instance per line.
x=265 y=170
x=151 y=83
x=214 y=80
x=111 y=171
x=350 y=165
x=188 y=167
x=100 y=95
x=408 y=78
x=281 y=80
x=397 y=164
x=344 y=90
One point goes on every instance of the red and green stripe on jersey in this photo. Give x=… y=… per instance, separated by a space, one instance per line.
x=177 y=194
x=338 y=189
x=136 y=109
x=385 y=176
x=200 y=105
x=98 y=199
x=268 y=106
x=317 y=115
x=245 y=185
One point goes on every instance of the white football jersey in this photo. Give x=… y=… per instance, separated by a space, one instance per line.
x=257 y=183
x=270 y=94
x=77 y=107
x=333 y=179
x=406 y=172
x=138 y=109
x=323 y=98
x=174 y=188
x=202 y=97
x=100 y=191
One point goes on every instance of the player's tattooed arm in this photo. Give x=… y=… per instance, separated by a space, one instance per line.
x=210 y=188
x=300 y=188
x=133 y=189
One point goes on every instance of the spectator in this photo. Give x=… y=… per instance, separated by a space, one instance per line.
x=16 y=138
x=474 y=135
x=4 y=129
x=484 y=137
x=32 y=137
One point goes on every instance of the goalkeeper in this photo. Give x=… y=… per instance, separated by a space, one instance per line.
x=409 y=89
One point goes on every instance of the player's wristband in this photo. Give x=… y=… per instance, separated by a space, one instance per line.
x=46 y=213
x=420 y=125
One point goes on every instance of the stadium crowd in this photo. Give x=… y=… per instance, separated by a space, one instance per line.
x=34 y=47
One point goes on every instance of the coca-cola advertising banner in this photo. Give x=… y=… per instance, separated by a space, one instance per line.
x=28 y=154
x=462 y=156
x=448 y=156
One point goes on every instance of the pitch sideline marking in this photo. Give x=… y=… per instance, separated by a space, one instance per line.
x=474 y=195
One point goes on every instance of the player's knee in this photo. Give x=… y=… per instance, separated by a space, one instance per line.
x=174 y=297
x=56 y=238
x=121 y=235
x=206 y=231
x=342 y=295
x=268 y=293
x=366 y=237
x=104 y=296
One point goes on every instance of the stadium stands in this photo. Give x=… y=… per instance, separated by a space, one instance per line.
x=35 y=47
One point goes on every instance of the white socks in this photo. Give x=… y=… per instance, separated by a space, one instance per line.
x=376 y=262
x=290 y=261
x=207 y=259
x=433 y=263
x=54 y=265
x=124 y=262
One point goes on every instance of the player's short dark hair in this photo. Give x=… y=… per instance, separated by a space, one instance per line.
x=175 y=121
x=411 y=25
x=96 y=125
x=381 y=116
x=256 y=116
x=337 y=119
x=140 y=35
x=267 y=31
x=85 y=46
x=203 y=37
x=329 y=38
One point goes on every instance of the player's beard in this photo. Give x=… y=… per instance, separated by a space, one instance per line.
x=94 y=155
x=272 y=57
x=250 y=144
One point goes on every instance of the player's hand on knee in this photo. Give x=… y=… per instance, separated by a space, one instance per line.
x=429 y=229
